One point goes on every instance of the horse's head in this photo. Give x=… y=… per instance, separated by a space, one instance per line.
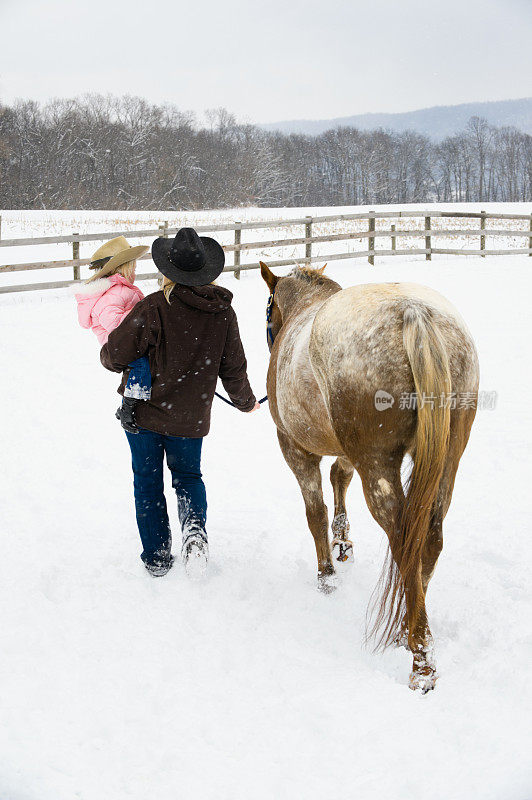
x=287 y=291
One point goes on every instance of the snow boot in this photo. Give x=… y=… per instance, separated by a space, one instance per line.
x=159 y=564
x=126 y=414
x=195 y=555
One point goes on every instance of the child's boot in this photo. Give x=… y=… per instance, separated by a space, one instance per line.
x=126 y=414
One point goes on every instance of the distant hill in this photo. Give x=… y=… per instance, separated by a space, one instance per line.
x=436 y=122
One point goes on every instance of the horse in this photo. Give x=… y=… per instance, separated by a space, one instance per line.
x=375 y=375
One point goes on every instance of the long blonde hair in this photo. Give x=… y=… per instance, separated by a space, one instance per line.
x=127 y=271
x=167 y=286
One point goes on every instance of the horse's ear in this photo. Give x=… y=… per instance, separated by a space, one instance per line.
x=268 y=276
x=321 y=270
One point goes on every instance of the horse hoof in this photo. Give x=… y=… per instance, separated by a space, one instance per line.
x=423 y=681
x=342 y=550
x=327 y=583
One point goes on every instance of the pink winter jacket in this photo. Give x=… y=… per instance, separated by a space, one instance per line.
x=103 y=304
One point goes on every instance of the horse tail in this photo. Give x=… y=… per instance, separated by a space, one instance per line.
x=429 y=362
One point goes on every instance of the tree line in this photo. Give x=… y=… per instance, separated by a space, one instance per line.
x=121 y=153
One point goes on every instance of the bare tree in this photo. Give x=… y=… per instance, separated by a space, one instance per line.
x=107 y=152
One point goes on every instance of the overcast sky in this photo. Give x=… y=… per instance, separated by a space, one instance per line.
x=269 y=61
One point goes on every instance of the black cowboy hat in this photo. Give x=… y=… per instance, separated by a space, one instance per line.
x=188 y=259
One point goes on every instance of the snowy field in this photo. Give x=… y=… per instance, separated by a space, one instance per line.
x=252 y=685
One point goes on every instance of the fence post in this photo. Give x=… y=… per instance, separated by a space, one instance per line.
x=530 y=237
x=482 y=237
x=371 y=240
x=308 y=235
x=238 y=240
x=428 y=246
x=163 y=232
x=75 y=256
x=393 y=237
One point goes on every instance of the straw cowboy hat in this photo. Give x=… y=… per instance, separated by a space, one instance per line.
x=113 y=254
x=188 y=259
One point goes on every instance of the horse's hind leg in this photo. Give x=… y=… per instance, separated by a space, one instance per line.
x=306 y=468
x=434 y=541
x=381 y=482
x=461 y=422
x=341 y=475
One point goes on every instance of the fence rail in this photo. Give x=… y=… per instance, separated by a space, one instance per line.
x=428 y=233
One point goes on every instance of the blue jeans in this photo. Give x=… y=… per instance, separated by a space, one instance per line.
x=138 y=384
x=183 y=456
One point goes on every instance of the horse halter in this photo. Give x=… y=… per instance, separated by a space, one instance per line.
x=269 y=309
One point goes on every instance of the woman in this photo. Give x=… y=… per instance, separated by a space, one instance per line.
x=189 y=333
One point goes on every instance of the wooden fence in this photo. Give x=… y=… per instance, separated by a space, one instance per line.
x=428 y=233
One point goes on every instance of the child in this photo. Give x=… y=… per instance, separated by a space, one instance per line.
x=104 y=301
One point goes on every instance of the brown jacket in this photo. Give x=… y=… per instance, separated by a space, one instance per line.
x=189 y=343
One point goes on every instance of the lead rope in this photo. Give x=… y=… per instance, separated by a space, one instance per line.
x=229 y=403
x=269 y=336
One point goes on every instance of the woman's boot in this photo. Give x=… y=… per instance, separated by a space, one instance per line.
x=195 y=555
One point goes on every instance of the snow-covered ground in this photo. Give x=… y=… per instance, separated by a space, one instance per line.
x=252 y=685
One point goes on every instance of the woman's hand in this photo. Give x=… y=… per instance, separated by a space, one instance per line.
x=255 y=408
